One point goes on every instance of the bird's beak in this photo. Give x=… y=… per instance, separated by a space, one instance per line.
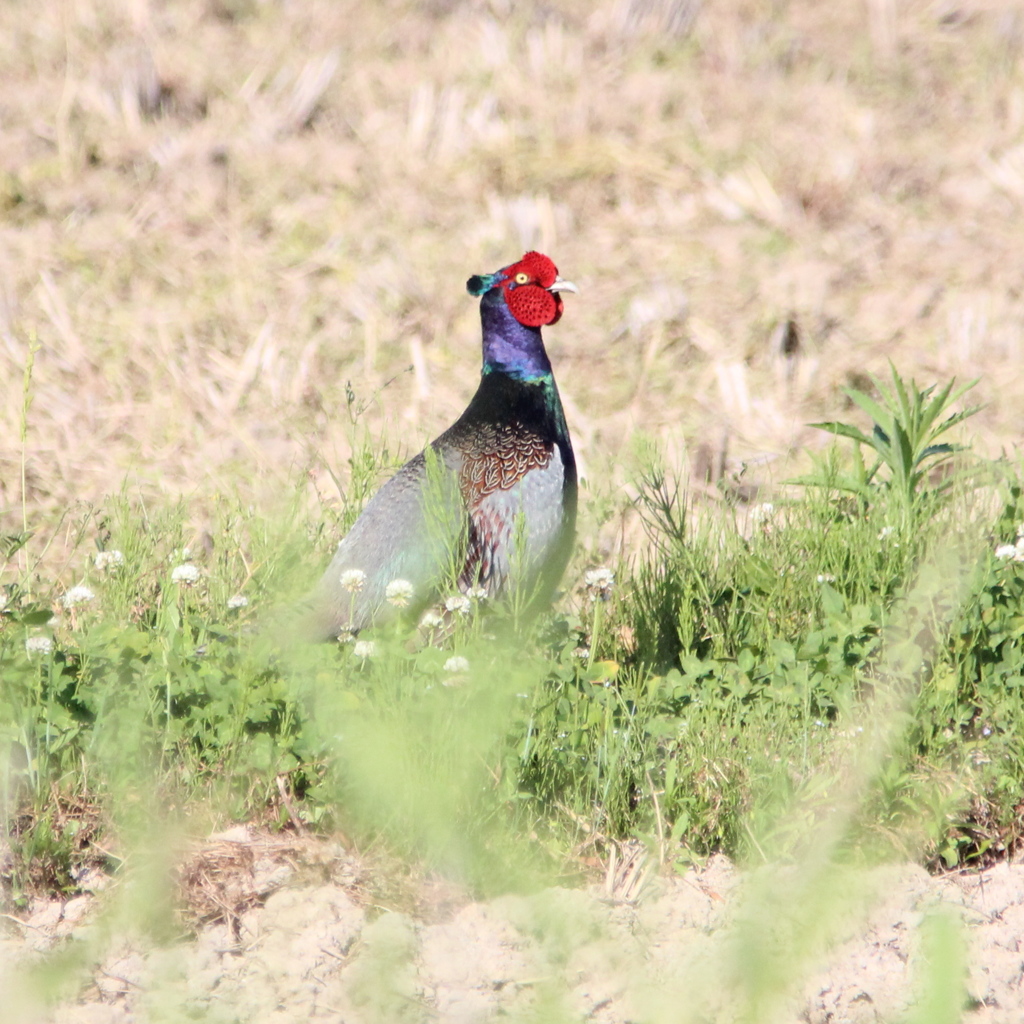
x=563 y=286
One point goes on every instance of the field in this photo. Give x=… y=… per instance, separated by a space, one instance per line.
x=234 y=237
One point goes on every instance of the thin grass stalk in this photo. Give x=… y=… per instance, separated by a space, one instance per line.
x=26 y=405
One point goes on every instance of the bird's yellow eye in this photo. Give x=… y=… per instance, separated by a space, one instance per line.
x=522 y=278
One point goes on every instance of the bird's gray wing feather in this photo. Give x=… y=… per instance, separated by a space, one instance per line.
x=520 y=535
x=414 y=529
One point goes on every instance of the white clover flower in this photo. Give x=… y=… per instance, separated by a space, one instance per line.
x=77 y=595
x=826 y=577
x=237 y=601
x=477 y=593
x=364 y=648
x=886 y=532
x=762 y=513
x=106 y=560
x=599 y=582
x=38 y=644
x=456 y=664
x=1006 y=551
x=430 y=620
x=399 y=593
x=582 y=653
x=185 y=573
x=353 y=580
x=457 y=603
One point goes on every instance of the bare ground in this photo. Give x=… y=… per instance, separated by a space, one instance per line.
x=291 y=946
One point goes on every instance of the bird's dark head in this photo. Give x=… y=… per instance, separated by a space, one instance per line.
x=530 y=289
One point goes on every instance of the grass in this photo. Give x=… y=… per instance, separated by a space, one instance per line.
x=831 y=680
x=223 y=279
x=663 y=707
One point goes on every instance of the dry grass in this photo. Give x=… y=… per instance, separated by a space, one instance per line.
x=215 y=214
x=230 y=873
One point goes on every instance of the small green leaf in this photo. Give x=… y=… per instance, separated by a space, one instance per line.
x=35 y=617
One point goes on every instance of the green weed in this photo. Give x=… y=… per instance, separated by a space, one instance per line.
x=847 y=671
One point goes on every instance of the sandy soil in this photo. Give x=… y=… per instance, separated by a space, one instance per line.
x=659 y=948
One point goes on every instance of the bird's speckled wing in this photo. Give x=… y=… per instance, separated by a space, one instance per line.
x=512 y=482
x=496 y=457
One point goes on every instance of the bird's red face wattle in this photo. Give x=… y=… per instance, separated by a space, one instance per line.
x=526 y=292
x=532 y=305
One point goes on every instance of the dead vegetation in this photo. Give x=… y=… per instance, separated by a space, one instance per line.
x=222 y=219
x=235 y=871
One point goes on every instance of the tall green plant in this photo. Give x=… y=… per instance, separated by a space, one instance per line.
x=907 y=424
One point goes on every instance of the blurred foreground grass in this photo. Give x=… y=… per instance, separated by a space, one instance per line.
x=829 y=682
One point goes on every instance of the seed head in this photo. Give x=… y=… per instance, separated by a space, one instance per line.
x=77 y=595
x=399 y=593
x=353 y=580
x=430 y=620
x=599 y=582
x=106 y=560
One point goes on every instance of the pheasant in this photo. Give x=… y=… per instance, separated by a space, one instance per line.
x=490 y=505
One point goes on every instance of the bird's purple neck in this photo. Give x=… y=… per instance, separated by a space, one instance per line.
x=509 y=346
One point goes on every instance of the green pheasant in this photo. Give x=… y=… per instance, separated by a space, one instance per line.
x=490 y=505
